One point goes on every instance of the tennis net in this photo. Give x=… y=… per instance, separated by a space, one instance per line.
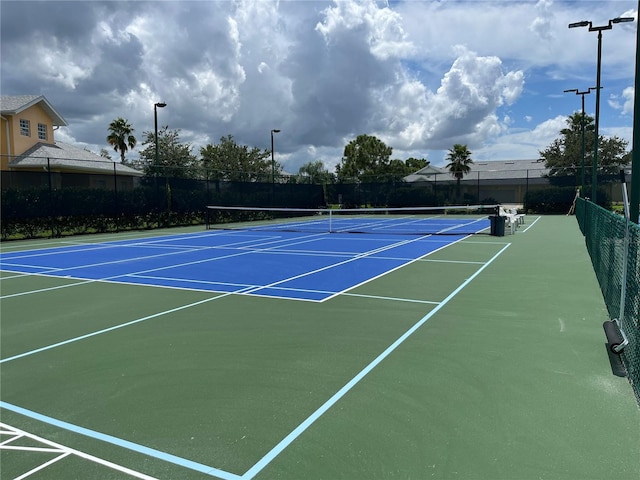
x=613 y=243
x=451 y=220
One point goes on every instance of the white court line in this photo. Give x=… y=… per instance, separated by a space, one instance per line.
x=115 y=327
x=534 y=222
x=344 y=262
x=48 y=289
x=286 y=441
x=57 y=448
x=75 y=241
x=396 y=268
x=106 y=279
x=239 y=292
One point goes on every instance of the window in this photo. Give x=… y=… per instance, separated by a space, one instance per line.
x=42 y=131
x=25 y=128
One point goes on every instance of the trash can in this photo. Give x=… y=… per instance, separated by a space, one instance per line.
x=497 y=225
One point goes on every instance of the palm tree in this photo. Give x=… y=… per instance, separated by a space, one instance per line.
x=459 y=163
x=121 y=136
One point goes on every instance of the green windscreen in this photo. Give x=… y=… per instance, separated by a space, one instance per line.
x=613 y=244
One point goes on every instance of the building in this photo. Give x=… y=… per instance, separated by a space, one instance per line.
x=503 y=181
x=27 y=144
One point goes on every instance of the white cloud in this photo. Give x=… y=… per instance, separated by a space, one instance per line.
x=522 y=144
x=382 y=27
x=542 y=24
x=624 y=102
x=418 y=75
x=461 y=110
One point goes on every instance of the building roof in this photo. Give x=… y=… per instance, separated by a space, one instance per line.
x=422 y=174
x=487 y=170
x=62 y=156
x=14 y=104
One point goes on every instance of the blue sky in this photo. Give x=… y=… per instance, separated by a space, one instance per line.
x=420 y=75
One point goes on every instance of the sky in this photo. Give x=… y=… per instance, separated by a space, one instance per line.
x=420 y=75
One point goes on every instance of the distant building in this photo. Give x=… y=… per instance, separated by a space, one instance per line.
x=27 y=144
x=505 y=181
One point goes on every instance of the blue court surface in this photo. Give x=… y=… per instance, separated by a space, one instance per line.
x=290 y=265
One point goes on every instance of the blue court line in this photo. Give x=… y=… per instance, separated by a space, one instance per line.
x=150 y=452
x=286 y=441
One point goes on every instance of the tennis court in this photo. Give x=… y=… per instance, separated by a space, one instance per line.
x=263 y=353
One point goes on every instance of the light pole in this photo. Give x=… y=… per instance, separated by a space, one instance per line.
x=155 y=117
x=578 y=92
x=635 y=146
x=609 y=26
x=273 y=161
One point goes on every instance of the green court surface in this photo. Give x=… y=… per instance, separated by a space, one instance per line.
x=483 y=360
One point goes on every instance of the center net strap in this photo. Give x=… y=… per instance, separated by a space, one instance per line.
x=450 y=220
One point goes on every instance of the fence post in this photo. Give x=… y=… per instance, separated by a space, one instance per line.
x=51 y=206
x=115 y=197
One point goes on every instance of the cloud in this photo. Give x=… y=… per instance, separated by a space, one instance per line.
x=421 y=76
x=542 y=24
x=522 y=144
x=461 y=110
x=624 y=102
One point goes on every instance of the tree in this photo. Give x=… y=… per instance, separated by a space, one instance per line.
x=121 y=136
x=564 y=156
x=415 y=164
x=316 y=173
x=366 y=158
x=175 y=159
x=459 y=165
x=230 y=161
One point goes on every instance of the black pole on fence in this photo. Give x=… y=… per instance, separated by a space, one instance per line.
x=51 y=206
x=635 y=156
x=116 y=212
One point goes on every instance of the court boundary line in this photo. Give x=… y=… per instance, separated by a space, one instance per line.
x=532 y=224
x=291 y=437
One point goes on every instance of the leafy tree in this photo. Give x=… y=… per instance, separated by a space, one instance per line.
x=564 y=156
x=399 y=169
x=316 y=173
x=415 y=164
x=366 y=158
x=459 y=165
x=121 y=136
x=230 y=161
x=175 y=159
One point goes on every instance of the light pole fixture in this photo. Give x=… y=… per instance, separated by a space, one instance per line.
x=600 y=29
x=155 y=117
x=273 y=161
x=582 y=94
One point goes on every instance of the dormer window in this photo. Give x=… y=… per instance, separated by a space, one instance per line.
x=42 y=131
x=25 y=128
